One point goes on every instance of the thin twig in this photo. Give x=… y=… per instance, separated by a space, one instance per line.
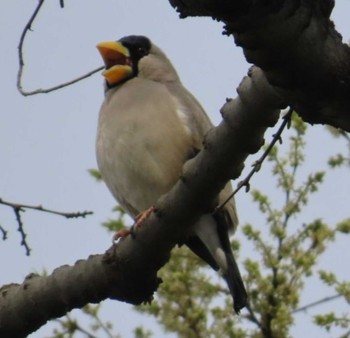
x=70 y=326
x=252 y=317
x=18 y=208
x=257 y=164
x=28 y=27
x=17 y=211
x=104 y=327
x=62 y=85
x=78 y=327
x=318 y=302
x=4 y=233
x=21 y=207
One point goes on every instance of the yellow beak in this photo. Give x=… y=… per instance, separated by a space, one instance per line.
x=117 y=61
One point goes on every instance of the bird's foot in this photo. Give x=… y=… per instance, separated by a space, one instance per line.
x=140 y=219
x=142 y=216
x=121 y=234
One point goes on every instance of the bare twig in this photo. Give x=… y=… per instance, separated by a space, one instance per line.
x=62 y=85
x=28 y=27
x=304 y=308
x=70 y=326
x=257 y=164
x=318 y=302
x=18 y=208
x=252 y=317
x=21 y=207
x=78 y=327
x=104 y=327
x=4 y=233
x=20 y=229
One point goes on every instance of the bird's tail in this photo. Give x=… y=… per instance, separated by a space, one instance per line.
x=231 y=274
x=211 y=243
x=235 y=283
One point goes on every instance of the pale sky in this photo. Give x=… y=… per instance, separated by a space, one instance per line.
x=47 y=142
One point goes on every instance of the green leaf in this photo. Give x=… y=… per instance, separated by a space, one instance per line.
x=95 y=174
x=344 y=226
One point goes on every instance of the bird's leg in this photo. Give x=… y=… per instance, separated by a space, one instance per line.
x=121 y=234
x=140 y=218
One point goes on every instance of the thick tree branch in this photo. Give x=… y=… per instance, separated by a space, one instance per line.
x=297 y=47
x=128 y=271
x=24 y=308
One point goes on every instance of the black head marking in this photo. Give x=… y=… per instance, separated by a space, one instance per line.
x=138 y=46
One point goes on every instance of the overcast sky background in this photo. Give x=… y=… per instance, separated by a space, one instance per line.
x=47 y=142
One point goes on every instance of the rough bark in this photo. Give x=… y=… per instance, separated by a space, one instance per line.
x=296 y=45
x=128 y=270
x=26 y=307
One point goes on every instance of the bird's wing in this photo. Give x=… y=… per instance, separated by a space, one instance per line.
x=199 y=123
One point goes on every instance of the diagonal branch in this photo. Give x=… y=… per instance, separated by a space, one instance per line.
x=277 y=137
x=128 y=270
x=306 y=307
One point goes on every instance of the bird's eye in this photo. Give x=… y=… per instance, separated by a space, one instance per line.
x=142 y=51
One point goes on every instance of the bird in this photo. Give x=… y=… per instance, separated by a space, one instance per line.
x=149 y=125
